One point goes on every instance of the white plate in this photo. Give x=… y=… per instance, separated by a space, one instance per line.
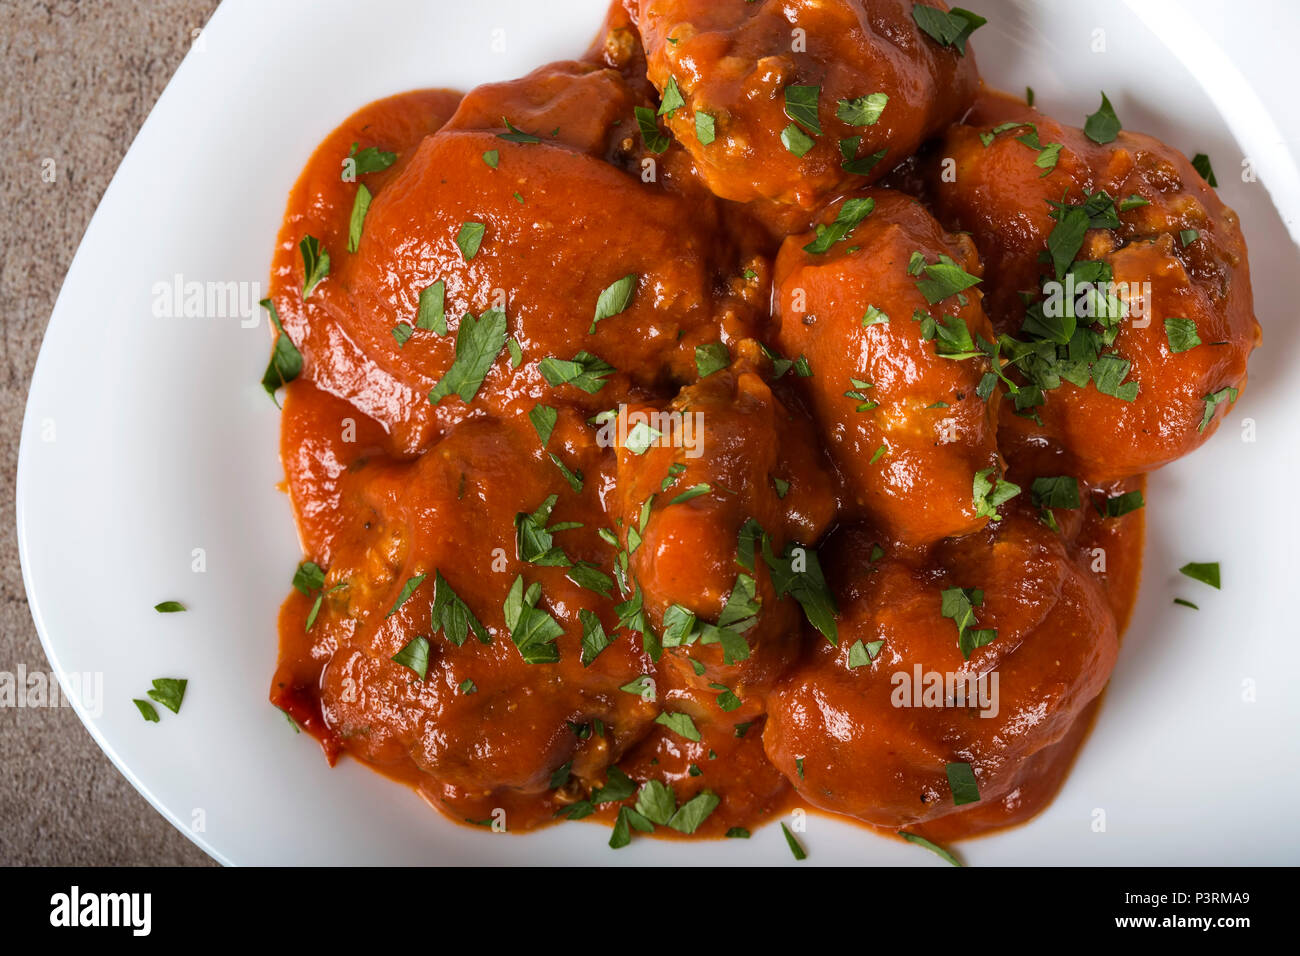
x=163 y=441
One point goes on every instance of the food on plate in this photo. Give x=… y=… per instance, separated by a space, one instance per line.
x=696 y=430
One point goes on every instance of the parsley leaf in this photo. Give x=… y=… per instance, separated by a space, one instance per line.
x=796 y=140
x=694 y=811
x=987 y=496
x=432 y=315
x=932 y=847
x=584 y=371
x=1201 y=163
x=469 y=238
x=452 y=616
x=680 y=724
x=315 y=264
x=169 y=692
x=798 y=572
x=371 y=160
x=532 y=631
x=951 y=29
x=795 y=847
x=863 y=111
x=961 y=780
x=943 y=279
x=415 y=655
x=958 y=604
x=614 y=299
x=704 y=127
x=405 y=594
x=801 y=106
x=851 y=214
x=672 y=98
x=711 y=358
x=1182 y=334
x=1102 y=126
x=515 y=135
x=478 y=342
x=360 y=206
x=1228 y=394
x=1205 y=572
x=655 y=139
x=286 y=361
x=594 y=638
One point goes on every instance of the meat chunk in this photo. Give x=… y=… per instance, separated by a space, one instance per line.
x=709 y=487
x=874 y=727
x=898 y=405
x=1119 y=272
x=782 y=99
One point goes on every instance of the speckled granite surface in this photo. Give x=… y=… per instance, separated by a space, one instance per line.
x=76 y=82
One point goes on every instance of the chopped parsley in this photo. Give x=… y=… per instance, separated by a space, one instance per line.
x=405 y=594
x=1102 y=126
x=432 y=312
x=414 y=655
x=543 y=418
x=533 y=631
x=452 y=616
x=958 y=604
x=371 y=160
x=1201 y=163
x=861 y=654
x=951 y=28
x=680 y=724
x=614 y=299
x=851 y=214
x=1212 y=401
x=863 y=111
x=584 y=371
x=535 y=542
x=704 y=127
x=286 y=361
x=478 y=342
x=1181 y=334
x=315 y=264
x=169 y=692
x=801 y=106
x=146 y=709
x=470 y=238
x=1205 y=572
x=594 y=638
x=961 y=780
x=711 y=358
x=672 y=98
x=795 y=847
x=796 y=140
x=988 y=496
x=943 y=279
x=360 y=206
x=655 y=139
x=516 y=135
x=932 y=847
x=1121 y=505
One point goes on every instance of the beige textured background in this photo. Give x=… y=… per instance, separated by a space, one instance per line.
x=76 y=82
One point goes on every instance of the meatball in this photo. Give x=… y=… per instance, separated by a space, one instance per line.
x=708 y=487
x=492 y=712
x=795 y=100
x=1134 y=374
x=872 y=727
x=473 y=223
x=898 y=405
